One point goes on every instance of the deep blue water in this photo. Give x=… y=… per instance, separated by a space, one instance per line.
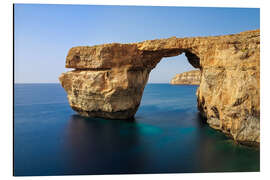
x=167 y=136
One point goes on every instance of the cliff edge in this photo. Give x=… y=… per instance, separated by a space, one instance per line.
x=189 y=78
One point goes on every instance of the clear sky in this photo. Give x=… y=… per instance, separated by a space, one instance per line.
x=45 y=33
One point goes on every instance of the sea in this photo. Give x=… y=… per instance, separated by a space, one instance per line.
x=166 y=136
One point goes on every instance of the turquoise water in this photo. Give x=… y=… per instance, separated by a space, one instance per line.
x=167 y=136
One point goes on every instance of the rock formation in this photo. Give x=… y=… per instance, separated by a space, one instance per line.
x=108 y=80
x=190 y=78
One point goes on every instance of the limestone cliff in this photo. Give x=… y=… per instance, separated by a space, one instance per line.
x=109 y=79
x=191 y=78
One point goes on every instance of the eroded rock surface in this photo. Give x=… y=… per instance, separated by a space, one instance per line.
x=109 y=79
x=190 y=78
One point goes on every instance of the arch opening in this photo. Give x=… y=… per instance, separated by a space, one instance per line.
x=169 y=67
x=173 y=62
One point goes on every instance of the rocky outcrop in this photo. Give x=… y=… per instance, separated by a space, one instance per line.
x=189 y=78
x=108 y=80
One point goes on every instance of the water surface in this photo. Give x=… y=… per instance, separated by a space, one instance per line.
x=167 y=136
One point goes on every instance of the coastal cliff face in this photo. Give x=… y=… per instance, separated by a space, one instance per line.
x=108 y=80
x=191 y=77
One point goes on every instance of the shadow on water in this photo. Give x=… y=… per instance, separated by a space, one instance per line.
x=166 y=136
x=105 y=146
x=99 y=146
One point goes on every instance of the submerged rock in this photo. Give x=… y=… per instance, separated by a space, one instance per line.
x=191 y=77
x=109 y=79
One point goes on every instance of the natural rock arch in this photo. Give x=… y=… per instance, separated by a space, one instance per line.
x=109 y=79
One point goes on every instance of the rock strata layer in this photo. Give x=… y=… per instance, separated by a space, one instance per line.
x=109 y=79
x=190 y=78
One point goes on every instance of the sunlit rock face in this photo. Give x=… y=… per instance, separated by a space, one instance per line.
x=114 y=94
x=189 y=78
x=109 y=79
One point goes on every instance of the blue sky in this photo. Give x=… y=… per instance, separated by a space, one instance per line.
x=45 y=33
